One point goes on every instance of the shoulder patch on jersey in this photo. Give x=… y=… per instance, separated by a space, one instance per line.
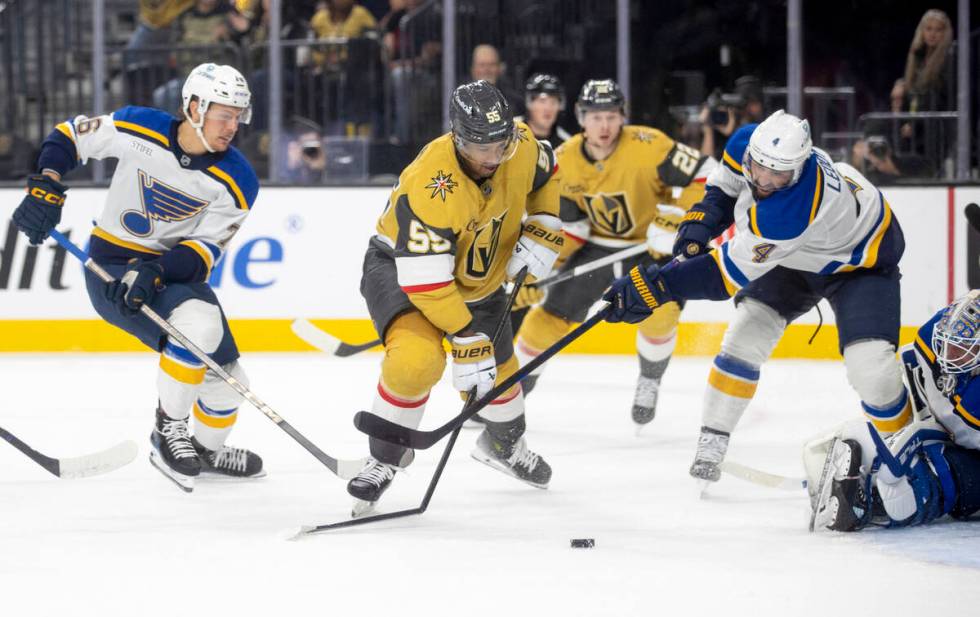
x=680 y=165
x=545 y=166
x=145 y=122
x=442 y=183
x=236 y=174
x=786 y=214
x=735 y=147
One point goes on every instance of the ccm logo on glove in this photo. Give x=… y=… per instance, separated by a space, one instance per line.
x=51 y=198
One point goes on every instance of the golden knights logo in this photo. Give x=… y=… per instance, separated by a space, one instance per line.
x=483 y=249
x=609 y=212
x=160 y=202
x=441 y=184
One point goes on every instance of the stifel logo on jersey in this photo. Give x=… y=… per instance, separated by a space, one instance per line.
x=609 y=212
x=160 y=202
x=484 y=248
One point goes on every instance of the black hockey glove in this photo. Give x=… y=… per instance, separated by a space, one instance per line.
x=138 y=286
x=40 y=211
x=696 y=230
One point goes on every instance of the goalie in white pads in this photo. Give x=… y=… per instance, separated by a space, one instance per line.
x=931 y=467
x=179 y=193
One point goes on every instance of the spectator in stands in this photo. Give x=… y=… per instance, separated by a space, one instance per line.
x=722 y=114
x=880 y=164
x=486 y=65
x=342 y=18
x=928 y=81
x=413 y=59
x=305 y=160
x=205 y=23
x=544 y=98
x=146 y=68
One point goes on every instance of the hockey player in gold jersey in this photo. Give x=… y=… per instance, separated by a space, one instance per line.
x=450 y=236
x=615 y=178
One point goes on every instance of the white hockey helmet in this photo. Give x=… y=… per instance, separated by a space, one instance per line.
x=956 y=337
x=781 y=144
x=215 y=83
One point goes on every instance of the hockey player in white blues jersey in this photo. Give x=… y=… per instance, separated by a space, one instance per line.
x=179 y=193
x=929 y=468
x=805 y=229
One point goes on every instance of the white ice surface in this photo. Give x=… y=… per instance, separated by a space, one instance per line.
x=130 y=543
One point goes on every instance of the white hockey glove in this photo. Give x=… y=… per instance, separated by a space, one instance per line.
x=473 y=363
x=537 y=248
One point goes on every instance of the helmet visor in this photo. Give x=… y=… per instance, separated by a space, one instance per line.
x=766 y=178
x=489 y=155
x=226 y=114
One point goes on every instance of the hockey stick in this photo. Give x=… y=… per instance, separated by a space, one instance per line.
x=330 y=344
x=376 y=426
x=498 y=330
x=762 y=478
x=83 y=466
x=345 y=469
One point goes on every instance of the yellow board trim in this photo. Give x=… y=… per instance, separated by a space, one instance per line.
x=728 y=159
x=129 y=126
x=108 y=237
x=181 y=373
x=731 y=386
x=239 y=197
x=202 y=252
x=214 y=421
x=693 y=338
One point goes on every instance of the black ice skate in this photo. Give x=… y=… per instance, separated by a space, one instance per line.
x=367 y=486
x=512 y=459
x=172 y=451
x=645 y=400
x=230 y=462
x=842 y=502
x=712 y=446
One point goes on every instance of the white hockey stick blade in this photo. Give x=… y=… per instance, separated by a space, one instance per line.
x=315 y=336
x=762 y=478
x=98 y=463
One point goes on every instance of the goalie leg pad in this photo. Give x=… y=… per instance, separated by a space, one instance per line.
x=875 y=374
x=414 y=357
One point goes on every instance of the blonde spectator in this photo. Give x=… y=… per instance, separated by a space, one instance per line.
x=928 y=69
x=339 y=19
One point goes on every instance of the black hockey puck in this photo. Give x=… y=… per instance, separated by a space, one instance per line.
x=583 y=542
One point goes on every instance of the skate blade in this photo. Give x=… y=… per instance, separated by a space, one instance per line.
x=217 y=476
x=184 y=483
x=361 y=508
x=495 y=464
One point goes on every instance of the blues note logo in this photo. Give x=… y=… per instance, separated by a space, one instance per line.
x=160 y=202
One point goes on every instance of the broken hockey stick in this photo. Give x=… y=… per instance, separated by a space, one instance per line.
x=376 y=426
x=345 y=469
x=762 y=478
x=83 y=466
x=330 y=344
x=471 y=397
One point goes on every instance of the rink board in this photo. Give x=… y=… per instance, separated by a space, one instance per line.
x=299 y=255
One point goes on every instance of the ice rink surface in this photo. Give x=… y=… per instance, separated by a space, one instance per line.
x=130 y=543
